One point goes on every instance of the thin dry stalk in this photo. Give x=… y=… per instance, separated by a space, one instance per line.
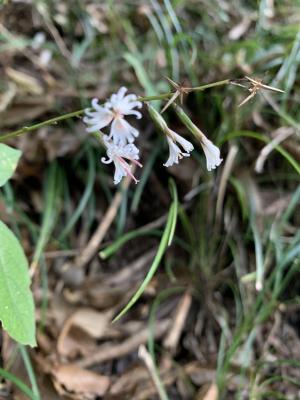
x=224 y=179
x=93 y=245
x=109 y=351
x=282 y=134
x=172 y=339
x=146 y=357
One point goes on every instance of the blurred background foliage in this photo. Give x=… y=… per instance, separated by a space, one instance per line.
x=237 y=227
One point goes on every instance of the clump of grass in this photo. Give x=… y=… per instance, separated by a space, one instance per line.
x=241 y=262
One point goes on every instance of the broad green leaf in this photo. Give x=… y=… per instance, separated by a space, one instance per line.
x=9 y=158
x=16 y=300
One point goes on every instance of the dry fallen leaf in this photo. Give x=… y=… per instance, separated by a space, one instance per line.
x=79 y=383
x=210 y=393
x=80 y=331
x=25 y=109
x=24 y=81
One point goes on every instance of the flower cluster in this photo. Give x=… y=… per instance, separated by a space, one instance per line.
x=119 y=143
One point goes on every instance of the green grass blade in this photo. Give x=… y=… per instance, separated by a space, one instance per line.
x=115 y=246
x=30 y=372
x=18 y=383
x=141 y=73
x=165 y=240
x=146 y=173
x=52 y=190
x=175 y=211
x=85 y=197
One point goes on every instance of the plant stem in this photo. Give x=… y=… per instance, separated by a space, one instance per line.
x=73 y=114
x=51 y=121
x=157 y=97
x=194 y=89
x=211 y=85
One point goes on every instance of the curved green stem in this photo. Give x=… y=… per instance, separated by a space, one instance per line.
x=51 y=121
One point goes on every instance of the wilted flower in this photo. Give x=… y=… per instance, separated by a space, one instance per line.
x=113 y=112
x=117 y=154
x=212 y=153
x=176 y=153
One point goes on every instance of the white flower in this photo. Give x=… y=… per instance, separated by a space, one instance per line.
x=113 y=112
x=117 y=155
x=212 y=153
x=175 y=152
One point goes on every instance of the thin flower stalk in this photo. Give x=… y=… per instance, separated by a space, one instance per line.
x=78 y=113
x=179 y=147
x=211 y=151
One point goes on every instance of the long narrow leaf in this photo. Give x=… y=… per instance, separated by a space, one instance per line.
x=165 y=240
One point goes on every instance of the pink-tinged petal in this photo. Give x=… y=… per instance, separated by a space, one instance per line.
x=117 y=155
x=127 y=169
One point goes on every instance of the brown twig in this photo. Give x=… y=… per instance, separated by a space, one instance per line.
x=172 y=339
x=93 y=245
x=109 y=352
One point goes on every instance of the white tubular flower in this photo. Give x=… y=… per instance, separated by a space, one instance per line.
x=176 y=153
x=117 y=155
x=212 y=154
x=114 y=111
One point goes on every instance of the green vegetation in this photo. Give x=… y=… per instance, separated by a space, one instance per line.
x=222 y=250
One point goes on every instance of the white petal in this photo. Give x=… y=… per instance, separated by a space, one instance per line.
x=98 y=119
x=122 y=132
x=131 y=112
x=124 y=108
x=106 y=161
x=130 y=151
x=131 y=97
x=175 y=153
x=187 y=146
x=124 y=105
x=212 y=154
x=117 y=154
x=131 y=101
x=119 y=172
x=96 y=106
x=121 y=92
x=89 y=112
